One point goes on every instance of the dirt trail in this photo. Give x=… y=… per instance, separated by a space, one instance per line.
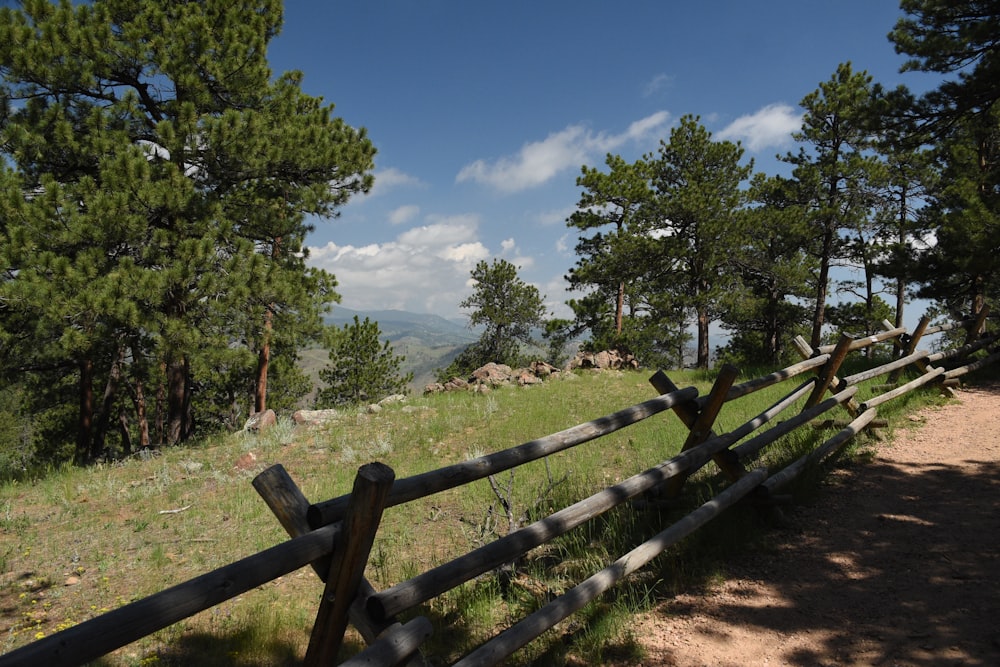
x=896 y=563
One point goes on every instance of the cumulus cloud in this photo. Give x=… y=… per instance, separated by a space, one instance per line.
x=539 y=161
x=390 y=179
x=772 y=125
x=403 y=214
x=424 y=269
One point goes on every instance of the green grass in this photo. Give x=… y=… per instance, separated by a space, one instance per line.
x=82 y=541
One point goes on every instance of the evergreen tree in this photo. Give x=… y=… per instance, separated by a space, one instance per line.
x=694 y=220
x=762 y=310
x=507 y=308
x=908 y=177
x=834 y=177
x=361 y=369
x=159 y=182
x=956 y=37
x=607 y=260
x=961 y=270
x=959 y=38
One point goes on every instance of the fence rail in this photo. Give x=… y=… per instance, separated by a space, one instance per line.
x=335 y=536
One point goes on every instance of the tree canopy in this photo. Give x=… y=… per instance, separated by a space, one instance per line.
x=507 y=308
x=362 y=368
x=154 y=191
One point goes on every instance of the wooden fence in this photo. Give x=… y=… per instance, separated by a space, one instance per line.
x=335 y=536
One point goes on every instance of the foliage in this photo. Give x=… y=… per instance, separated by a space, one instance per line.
x=857 y=319
x=610 y=262
x=362 y=369
x=963 y=214
x=154 y=189
x=960 y=37
x=508 y=308
x=833 y=178
x=762 y=310
x=673 y=228
x=694 y=222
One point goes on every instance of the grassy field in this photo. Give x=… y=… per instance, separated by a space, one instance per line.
x=83 y=541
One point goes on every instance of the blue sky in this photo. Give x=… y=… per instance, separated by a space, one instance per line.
x=484 y=112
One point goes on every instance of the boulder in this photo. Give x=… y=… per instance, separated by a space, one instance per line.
x=314 y=417
x=492 y=374
x=261 y=421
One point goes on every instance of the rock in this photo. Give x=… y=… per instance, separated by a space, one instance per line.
x=525 y=377
x=542 y=369
x=492 y=374
x=374 y=408
x=603 y=360
x=393 y=398
x=314 y=417
x=456 y=383
x=72 y=581
x=261 y=421
x=246 y=462
x=434 y=388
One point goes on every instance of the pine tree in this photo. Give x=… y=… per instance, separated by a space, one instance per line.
x=507 y=308
x=607 y=259
x=694 y=219
x=160 y=181
x=833 y=177
x=361 y=369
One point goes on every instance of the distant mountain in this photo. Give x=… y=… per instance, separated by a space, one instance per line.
x=428 y=342
x=396 y=325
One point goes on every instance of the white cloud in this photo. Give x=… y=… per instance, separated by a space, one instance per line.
x=507 y=245
x=425 y=269
x=540 y=161
x=656 y=84
x=392 y=178
x=772 y=125
x=403 y=214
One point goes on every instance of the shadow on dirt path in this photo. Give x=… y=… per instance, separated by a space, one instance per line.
x=896 y=562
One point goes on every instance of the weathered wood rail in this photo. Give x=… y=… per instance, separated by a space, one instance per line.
x=335 y=536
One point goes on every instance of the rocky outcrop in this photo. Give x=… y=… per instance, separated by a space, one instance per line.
x=605 y=360
x=492 y=375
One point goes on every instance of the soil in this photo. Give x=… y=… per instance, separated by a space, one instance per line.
x=896 y=562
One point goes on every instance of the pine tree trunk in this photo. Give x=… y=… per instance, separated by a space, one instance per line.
x=110 y=389
x=85 y=423
x=822 y=284
x=177 y=401
x=773 y=340
x=264 y=356
x=263 y=363
x=619 y=308
x=702 y=337
x=140 y=415
x=126 y=434
x=900 y=282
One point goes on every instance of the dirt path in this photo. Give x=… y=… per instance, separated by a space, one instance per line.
x=896 y=563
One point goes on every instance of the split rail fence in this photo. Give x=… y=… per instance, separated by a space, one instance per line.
x=335 y=536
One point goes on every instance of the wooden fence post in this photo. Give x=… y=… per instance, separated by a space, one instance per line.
x=700 y=421
x=350 y=555
x=910 y=345
x=290 y=506
x=827 y=374
x=286 y=501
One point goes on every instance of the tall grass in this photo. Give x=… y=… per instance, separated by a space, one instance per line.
x=81 y=541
